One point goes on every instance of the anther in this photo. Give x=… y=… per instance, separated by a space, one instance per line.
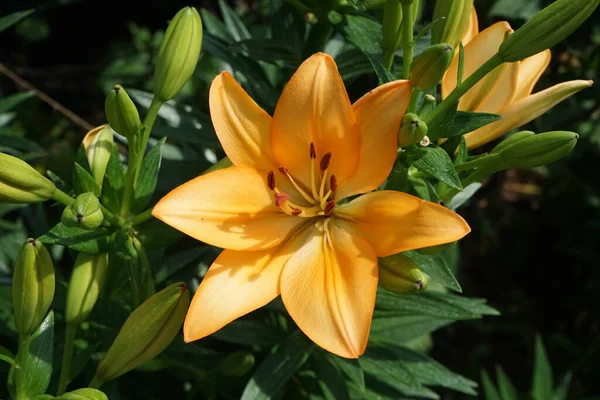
x=325 y=161
x=313 y=153
x=271 y=180
x=333 y=183
x=296 y=212
x=284 y=170
x=329 y=207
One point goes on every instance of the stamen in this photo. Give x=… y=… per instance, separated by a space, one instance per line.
x=285 y=171
x=271 y=180
x=313 y=153
x=325 y=161
x=329 y=207
x=333 y=183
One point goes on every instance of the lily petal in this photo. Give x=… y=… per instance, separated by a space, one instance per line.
x=242 y=126
x=328 y=286
x=379 y=114
x=472 y=29
x=231 y=208
x=479 y=50
x=503 y=91
x=393 y=222
x=530 y=72
x=89 y=137
x=524 y=111
x=237 y=283
x=314 y=108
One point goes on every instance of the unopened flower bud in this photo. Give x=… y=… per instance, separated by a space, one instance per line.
x=98 y=144
x=451 y=29
x=514 y=138
x=538 y=150
x=121 y=113
x=84 y=213
x=413 y=130
x=82 y=394
x=87 y=279
x=32 y=286
x=399 y=274
x=236 y=364
x=548 y=27
x=392 y=20
x=428 y=68
x=429 y=103
x=21 y=183
x=147 y=332
x=178 y=53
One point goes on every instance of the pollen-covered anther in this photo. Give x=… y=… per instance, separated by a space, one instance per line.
x=333 y=183
x=271 y=180
x=329 y=207
x=325 y=161
x=313 y=152
x=296 y=212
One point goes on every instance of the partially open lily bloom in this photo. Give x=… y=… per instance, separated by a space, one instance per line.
x=506 y=90
x=279 y=212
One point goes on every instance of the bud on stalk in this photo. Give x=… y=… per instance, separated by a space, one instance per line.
x=32 y=287
x=451 y=29
x=548 y=27
x=537 y=150
x=121 y=113
x=178 y=53
x=87 y=279
x=21 y=183
x=147 y=332
x=84 y=213
x=413 y=130
x=514 y=138
x=98 y=144
x=81 y=394
x=399 y=274
x=428 y=68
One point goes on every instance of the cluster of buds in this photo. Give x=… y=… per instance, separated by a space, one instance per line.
x=85 y=213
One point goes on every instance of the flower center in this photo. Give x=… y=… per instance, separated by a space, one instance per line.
x=321 y=193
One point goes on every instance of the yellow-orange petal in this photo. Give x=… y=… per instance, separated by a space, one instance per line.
x=314 y=108
x=231 y=208
x=393 y=222
x=237 y=283
x=530 y=71
x=89 y=137
x=379 y=114
x=502 y=92
x=242 y=126
x=472 y=29
x=479 y=50
x=328 y=286
x=524 y=111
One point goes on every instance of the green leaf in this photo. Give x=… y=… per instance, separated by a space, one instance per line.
x=437 y=163
x=562 y=390
x=249 y=332
x=83 y=181
x=508 y=391
x=146 y=183
x=7 y=355
x=437 y=268
x=383 y=364
x=233 y=22
x=423 y=189
x=439 y=126
x=11 y=141
x=462 y=197
x=489 y=389
x=269 y=50
x=114 y=182
x=35 y=375
x=383 y=75
x=461 y=63
x=465 y=122
x=214 y=26
x=364 y=32
x=353 y=63
x=77 y=239
x=330 y=379
x=542 y=384
x=278 y=367
x=401 y=329
x=59 y=182
x=7 y=103
x=351 y=368
x=463 y=154
x=82 y=159
x=84 y=394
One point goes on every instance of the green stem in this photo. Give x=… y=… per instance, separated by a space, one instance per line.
x=142 y=217
x=110 y=217
x=62 y=197
x=464 y=87
x=412 y=104
x=22 y=355
x=318 y=37
x=95 y=383
x=67 y=359
x=388 y=59
x=407 y=38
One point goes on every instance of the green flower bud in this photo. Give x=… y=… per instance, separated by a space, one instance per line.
x=428 y=68
x=392 y=20
x=413 y=130
x=98 y=144
x=178 y=53
x=429 y=103
x=147 y=332
x=399 y=274
x=32 y=287
x=121 y=113
x=87 y=279
x=84 y=213
x=538 y=150
x=83 y=394
x=548 y=27
x=451 y=29
x=514 y=138
x=236 y=364
x=21 y=183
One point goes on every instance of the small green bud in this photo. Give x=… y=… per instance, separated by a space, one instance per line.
x=428 y=68
x=98 y=144
x=548 y=27
x=82 y=394
x=21 y=183
x=87 y=279
x=399 y=274
x=121 y=113
x=236 y=364
x=392 y=20
x=32 y=287
x=178 y=53
x=84 y=213
x=514 y=138
x=147 y=332
x=538 y=150
x=413 y=130
x=451 y=29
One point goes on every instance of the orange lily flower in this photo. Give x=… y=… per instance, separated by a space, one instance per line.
x=279 y=210
x=506 y=90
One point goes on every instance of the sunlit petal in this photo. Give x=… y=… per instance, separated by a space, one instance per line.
x=530 y=71
x=472 y=29
x=502 y=92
